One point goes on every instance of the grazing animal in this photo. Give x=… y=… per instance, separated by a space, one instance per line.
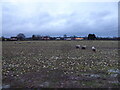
x=77 y=46
x=83 y=47
x=94 y=49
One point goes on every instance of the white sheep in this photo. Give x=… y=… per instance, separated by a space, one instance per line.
x=77 y=46
x=83 y=47
x=93 y=48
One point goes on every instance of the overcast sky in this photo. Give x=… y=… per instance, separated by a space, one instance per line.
x=57 y=19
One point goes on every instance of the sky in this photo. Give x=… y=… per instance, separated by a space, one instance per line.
x=57 y=19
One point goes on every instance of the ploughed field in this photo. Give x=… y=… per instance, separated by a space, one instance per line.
x=58 y=64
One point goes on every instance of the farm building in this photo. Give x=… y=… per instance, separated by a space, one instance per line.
x=79 y=38
x=58 y=38
x=14 y=38
x=69 y=38
x=45 y=38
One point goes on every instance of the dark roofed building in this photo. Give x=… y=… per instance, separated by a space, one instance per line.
x=13 y=38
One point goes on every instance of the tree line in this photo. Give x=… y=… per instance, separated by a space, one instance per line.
x=22 y=37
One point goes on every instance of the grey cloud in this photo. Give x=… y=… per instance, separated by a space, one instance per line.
x=49 y=21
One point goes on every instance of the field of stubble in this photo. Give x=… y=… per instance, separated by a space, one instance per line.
x=58 y=64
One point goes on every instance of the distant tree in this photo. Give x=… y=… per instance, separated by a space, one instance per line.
x=74 y=36
x=36 y=37
x=91 y=37
x=39 y=37
x=3 y=38
x=33 y=37
x=21 y=36
x=52 y=38
x=64 y=35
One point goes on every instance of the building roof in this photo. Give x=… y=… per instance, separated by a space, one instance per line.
x=79 y=38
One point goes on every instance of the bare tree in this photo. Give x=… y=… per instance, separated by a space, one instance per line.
x=21 y=36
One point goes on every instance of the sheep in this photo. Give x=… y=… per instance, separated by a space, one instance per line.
x=83 y=47
x=93 y=48
x=77 y=46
